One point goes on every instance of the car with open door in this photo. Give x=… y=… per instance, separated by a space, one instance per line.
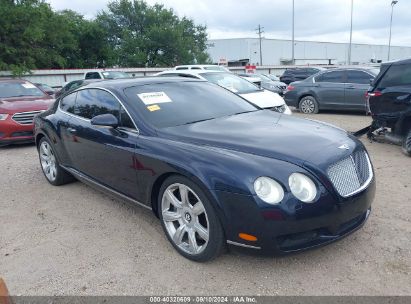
x=389 y=102
x=214 y=168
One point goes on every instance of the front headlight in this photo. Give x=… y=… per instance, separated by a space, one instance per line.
x=3 y=116
x=268 y=190
x=302 y=187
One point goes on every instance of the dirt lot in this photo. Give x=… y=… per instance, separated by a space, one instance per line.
x=73 y=240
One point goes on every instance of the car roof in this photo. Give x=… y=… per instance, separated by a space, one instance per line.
x=365 y=69
x=397 y=62
x=194 y=65
x=124 y=83
x=190 y=72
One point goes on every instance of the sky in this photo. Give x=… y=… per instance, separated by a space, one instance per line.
x=319 y=20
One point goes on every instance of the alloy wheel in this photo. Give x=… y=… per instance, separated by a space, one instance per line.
x=185 y=218
x=307 y=106
x=48 y=161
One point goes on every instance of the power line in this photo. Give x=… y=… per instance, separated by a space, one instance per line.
x=259 y=32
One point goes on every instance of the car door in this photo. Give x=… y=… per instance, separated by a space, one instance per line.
x=105 y=154
x=329 y=89
x=356 y=86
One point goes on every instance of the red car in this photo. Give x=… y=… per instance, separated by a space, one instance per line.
x=20 y=101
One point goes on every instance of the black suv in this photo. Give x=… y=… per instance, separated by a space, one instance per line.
x=296 y=74
x=389 y=102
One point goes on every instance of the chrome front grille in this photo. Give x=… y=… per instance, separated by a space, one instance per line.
x=25 y=118
x=351 y=174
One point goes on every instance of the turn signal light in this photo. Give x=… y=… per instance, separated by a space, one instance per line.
x=290 y=88
x=247 y=237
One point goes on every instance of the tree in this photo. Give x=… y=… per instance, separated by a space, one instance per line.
x=33 y=36
x=143 y=35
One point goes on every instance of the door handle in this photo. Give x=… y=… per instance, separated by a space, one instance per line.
x=71 y=130
x=350 y=87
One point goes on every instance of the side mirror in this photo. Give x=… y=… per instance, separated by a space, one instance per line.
x=105 y=120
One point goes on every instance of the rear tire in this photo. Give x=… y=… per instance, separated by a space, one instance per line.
x=406 y=144
x=189 y=220
x=308 y=105
x=50 y=165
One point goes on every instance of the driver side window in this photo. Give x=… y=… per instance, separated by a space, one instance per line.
x=93 y=102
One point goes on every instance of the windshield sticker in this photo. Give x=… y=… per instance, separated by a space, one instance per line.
x=28 y=85
x=153 y=108
x=154 y=98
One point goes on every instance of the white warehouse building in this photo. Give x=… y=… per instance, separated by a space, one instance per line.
x=278 y=52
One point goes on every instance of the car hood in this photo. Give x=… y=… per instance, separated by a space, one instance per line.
x=25 y=104
x=269 y=134
x=264 y=99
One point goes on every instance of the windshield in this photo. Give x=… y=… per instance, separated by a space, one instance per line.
x=19 y=89
x=231 y=82
x=273 y=77
x=262 y=77
x=178 y=103
x=115 y=75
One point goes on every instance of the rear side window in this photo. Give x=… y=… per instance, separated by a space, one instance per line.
x=397 y=75
x=68 y=103
x=334 y=77
x=358 y=77
x=182 y=68
x=93 y=75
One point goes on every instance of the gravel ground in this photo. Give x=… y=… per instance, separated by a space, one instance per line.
x=73 y=240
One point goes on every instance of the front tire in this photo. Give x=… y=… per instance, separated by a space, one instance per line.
x=406 y=145
x=308 y=105
x=189 y=220
x=50 y=165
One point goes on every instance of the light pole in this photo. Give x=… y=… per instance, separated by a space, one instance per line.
x=394 y=2
x=350 y=47
x=292 y=47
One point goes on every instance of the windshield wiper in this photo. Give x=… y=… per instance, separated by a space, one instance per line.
x=244 y=112
x=195 y=121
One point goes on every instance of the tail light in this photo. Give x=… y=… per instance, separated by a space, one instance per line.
x=367 y=99
x=373 y=94
x=290 y=88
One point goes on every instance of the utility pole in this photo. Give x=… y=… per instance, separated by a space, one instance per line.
x=259 y=32
x=293 y=43
x=350 y=47
x=394 y=2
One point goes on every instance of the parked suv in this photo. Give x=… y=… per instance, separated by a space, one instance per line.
x=296 y=74
x=389 y=102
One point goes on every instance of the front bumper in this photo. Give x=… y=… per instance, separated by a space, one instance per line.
x=293 y=226
x=12 y=132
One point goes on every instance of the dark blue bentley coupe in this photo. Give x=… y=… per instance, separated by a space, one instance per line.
x=214 y=168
